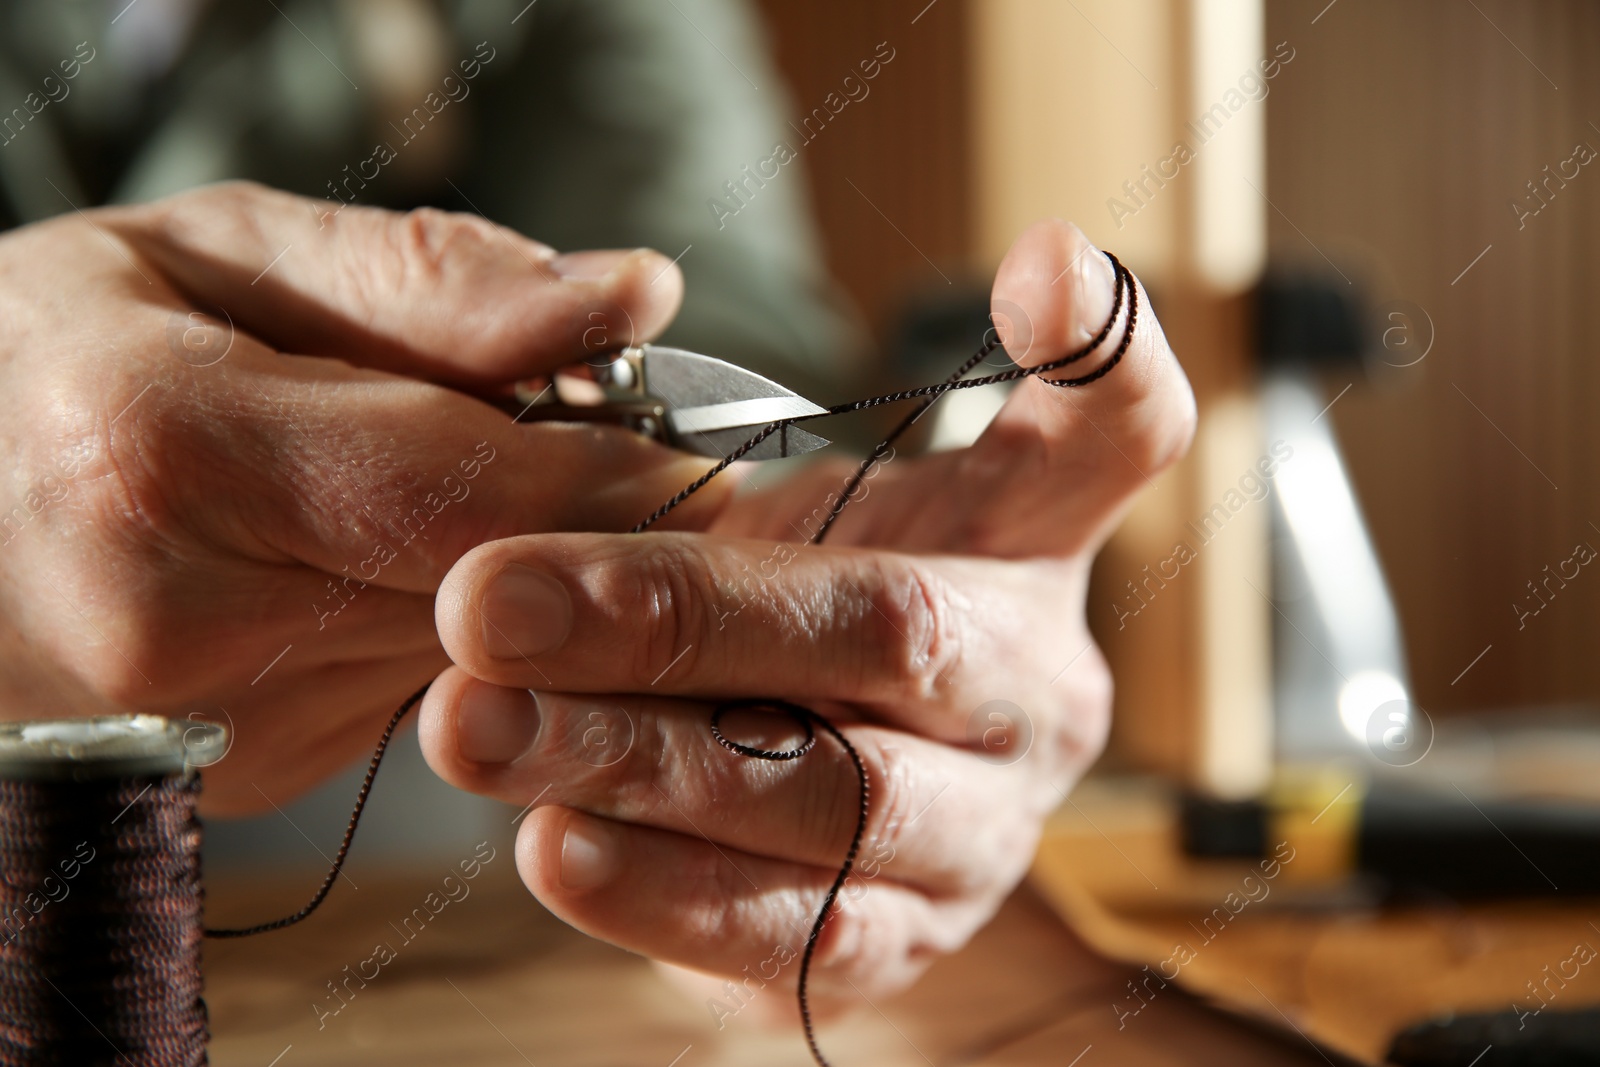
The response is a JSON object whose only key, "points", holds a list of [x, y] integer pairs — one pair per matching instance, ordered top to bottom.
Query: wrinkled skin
{"points": [[180, 495]]}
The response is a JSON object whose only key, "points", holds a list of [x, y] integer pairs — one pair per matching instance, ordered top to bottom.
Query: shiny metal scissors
{"points": [[691, 402]]}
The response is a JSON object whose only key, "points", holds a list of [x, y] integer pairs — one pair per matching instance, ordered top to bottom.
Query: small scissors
{"points": [[688, 401]]}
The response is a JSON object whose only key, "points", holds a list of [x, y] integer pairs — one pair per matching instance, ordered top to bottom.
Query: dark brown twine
{"points": [[150, 891], [101, 900]]}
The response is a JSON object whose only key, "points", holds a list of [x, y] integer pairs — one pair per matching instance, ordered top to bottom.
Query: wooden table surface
{"points": [[1348, 971], [493, 979]]}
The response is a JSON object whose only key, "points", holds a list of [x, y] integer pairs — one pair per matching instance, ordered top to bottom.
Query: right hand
{"points": [[233, 488]]}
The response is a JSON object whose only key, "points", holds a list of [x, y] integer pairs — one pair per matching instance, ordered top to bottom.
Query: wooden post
{"points": [[1085, 111]]}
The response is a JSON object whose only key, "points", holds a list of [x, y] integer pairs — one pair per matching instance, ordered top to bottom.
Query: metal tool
{"points": [[691, 402]]}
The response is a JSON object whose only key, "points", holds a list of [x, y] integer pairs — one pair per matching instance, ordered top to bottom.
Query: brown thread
{"points": [[337, 865], [107, 969]]}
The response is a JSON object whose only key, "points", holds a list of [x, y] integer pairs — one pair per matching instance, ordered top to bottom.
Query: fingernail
{"points": [[588, 266], [1096, 290], [525, 613], [496, 725], [588, 853]]}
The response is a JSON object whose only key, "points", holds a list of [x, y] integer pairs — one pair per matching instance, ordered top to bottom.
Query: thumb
{"points": [[431, 294], [1053, 294], [1099, 444], [1054, 471]]}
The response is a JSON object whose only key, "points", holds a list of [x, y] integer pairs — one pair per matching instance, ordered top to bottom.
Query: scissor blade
{"points": [[689, 380], [714, 406], [738, 413], [789, 441]]}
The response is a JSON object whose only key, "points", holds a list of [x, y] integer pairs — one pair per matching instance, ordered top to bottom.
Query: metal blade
{"points": [[689, 380], [713, 406], [748, 413], [789, 441]]}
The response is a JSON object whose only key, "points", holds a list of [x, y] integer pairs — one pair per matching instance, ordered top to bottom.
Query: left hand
{"points": [[959, 579]]}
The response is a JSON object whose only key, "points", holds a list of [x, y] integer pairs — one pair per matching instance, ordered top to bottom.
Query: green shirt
{"points": [[581, 123]]}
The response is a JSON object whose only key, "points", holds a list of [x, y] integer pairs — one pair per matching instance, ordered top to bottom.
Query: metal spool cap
{"points": [[107, 746]]}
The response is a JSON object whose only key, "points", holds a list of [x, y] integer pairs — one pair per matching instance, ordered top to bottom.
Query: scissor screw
{"points": [[618, 373]]}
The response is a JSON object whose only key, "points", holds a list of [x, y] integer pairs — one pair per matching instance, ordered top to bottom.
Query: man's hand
{"points": [[229, 492], [942, 626]]}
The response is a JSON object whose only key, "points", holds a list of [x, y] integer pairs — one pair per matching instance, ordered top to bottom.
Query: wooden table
{"points": [[1331, 962], [495, 980]]}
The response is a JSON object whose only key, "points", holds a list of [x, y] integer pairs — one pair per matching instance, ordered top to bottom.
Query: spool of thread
{"points": [[100, 893]]}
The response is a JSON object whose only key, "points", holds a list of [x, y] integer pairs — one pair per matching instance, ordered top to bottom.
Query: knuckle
{"points": [[237, 195], [193, 218], [430, 243], [1166, 438], [141, 485], [95, 522], [119, 550], [673, 596], [914, 626], [1095, 689], [1079, 731], [593, 744], [893, 781], [728, 914], [857, 942], [883, 945]]}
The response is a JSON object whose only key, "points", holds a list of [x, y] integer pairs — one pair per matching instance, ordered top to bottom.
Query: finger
{"points": [[444, 296], [1141, 411], [1104, 441], [1054, 471], [371, 478], [914, 640], [655, 762], [681, 899]]}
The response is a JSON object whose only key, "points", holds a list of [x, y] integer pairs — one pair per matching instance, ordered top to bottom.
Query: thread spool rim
{"points": [[106, 746]]}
